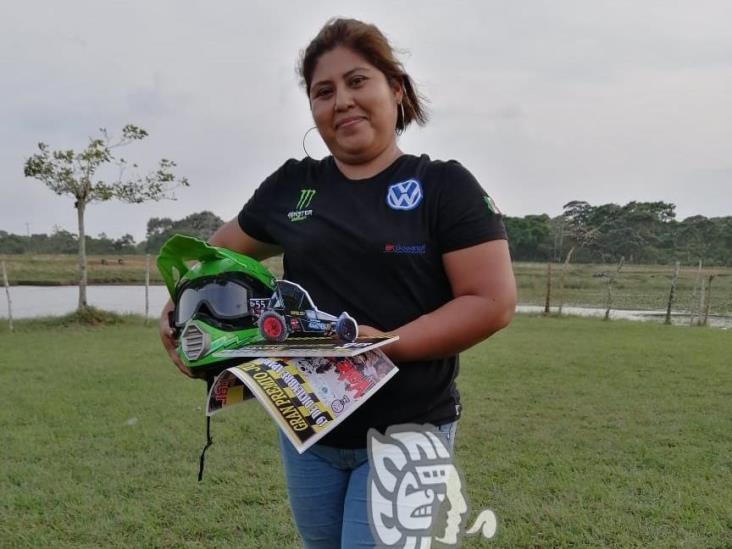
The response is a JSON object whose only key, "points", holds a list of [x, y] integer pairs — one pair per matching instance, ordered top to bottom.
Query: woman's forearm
{"points": [[454, 327]]}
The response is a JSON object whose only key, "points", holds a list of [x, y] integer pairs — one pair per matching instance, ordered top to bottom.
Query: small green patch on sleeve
{"points": [[491, 205]]}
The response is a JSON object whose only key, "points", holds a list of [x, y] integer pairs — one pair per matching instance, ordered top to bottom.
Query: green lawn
{"points": [[576, 433]]}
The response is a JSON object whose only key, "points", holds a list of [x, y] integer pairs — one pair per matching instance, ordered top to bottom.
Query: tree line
{"points": [[159, 229], [640, 232]]}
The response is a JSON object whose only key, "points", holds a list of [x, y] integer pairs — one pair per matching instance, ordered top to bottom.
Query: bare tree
{"points": [[67, 172], [561, 278], [610, 282]]}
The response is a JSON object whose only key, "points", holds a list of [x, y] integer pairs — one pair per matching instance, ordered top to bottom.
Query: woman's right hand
{"points": [[168, 340]]}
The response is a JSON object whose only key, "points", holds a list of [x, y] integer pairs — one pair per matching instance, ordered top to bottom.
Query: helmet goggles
{"points": [[223, 298]]}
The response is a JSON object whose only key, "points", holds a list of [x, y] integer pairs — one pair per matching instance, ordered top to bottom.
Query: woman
{"points": [[407, 245]]}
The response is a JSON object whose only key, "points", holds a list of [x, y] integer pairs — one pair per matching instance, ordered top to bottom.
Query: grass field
{"points": [[55, 270], [637, 286], [577, 433]]}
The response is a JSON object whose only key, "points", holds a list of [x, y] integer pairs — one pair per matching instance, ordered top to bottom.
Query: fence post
{"points": [[561, 279], [610, 281], [697, 282], [147, 287], [702, 293], [7, 294], [672, 294], [708, 300], [548, 301]]}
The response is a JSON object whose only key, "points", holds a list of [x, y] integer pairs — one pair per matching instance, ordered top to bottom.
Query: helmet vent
{"points": [[195, 343]]}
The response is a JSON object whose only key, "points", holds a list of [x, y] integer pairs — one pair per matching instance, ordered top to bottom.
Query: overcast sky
{"points": [[545, 102]]}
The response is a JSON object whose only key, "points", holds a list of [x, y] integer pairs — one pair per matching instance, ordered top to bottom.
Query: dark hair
{"points": [[369, 42]]}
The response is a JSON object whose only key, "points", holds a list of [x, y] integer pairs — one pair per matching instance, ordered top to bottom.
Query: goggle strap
{"points": [[209, 440]]}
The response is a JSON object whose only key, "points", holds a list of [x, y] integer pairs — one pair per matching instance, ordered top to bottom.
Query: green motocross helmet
{"points": [[217, 300]]}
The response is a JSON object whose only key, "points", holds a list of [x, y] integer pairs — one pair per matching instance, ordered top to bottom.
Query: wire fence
{"points": [[694, 294], [700, 295]]}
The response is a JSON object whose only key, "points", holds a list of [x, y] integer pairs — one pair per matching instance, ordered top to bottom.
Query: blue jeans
{"points": [[328, 488]]}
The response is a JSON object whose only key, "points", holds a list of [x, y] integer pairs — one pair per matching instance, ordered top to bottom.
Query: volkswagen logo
{"points": [[405, 195]]}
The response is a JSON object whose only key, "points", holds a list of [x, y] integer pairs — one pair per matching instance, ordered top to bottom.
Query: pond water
{"points": [[33, 301], [678, 319]]}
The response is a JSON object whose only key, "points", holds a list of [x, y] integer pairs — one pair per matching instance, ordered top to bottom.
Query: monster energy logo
{"points": [[306, 196], [301, 211]]}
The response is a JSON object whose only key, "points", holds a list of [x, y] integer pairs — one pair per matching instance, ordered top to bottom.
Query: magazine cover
{"points": [[306, 396]]}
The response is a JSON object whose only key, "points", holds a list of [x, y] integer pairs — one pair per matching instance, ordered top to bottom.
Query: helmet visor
{"points": [[224, 299]]}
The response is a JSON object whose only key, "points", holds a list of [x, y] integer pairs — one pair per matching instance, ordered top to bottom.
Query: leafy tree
{"points": [[67, 172], [645, 224], [201, 225], [157, 226], [640, 231], [699, 235], [529, 237], [63, 242], [11, 243], [102, 244], [125, 244]]}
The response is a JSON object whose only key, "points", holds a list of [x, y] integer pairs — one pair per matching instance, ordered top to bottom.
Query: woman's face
{"points": [[353, 105]]}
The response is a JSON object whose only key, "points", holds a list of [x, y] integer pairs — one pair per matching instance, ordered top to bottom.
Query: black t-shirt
{"points": [[373, 247]]}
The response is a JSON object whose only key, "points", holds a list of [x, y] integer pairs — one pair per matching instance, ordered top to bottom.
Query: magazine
{"points": [[307, 396]]}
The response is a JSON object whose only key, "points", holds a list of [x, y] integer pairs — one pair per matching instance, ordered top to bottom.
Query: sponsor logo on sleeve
{"points": [[405, 195], [302, 209], [411, 249]]}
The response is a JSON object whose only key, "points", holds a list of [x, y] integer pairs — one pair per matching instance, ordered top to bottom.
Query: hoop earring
{"points": [[400, 131], [303, 142]]}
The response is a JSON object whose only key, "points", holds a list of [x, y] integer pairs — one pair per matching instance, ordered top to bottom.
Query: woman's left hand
{"points": [[369, 331], [391, 349]]}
